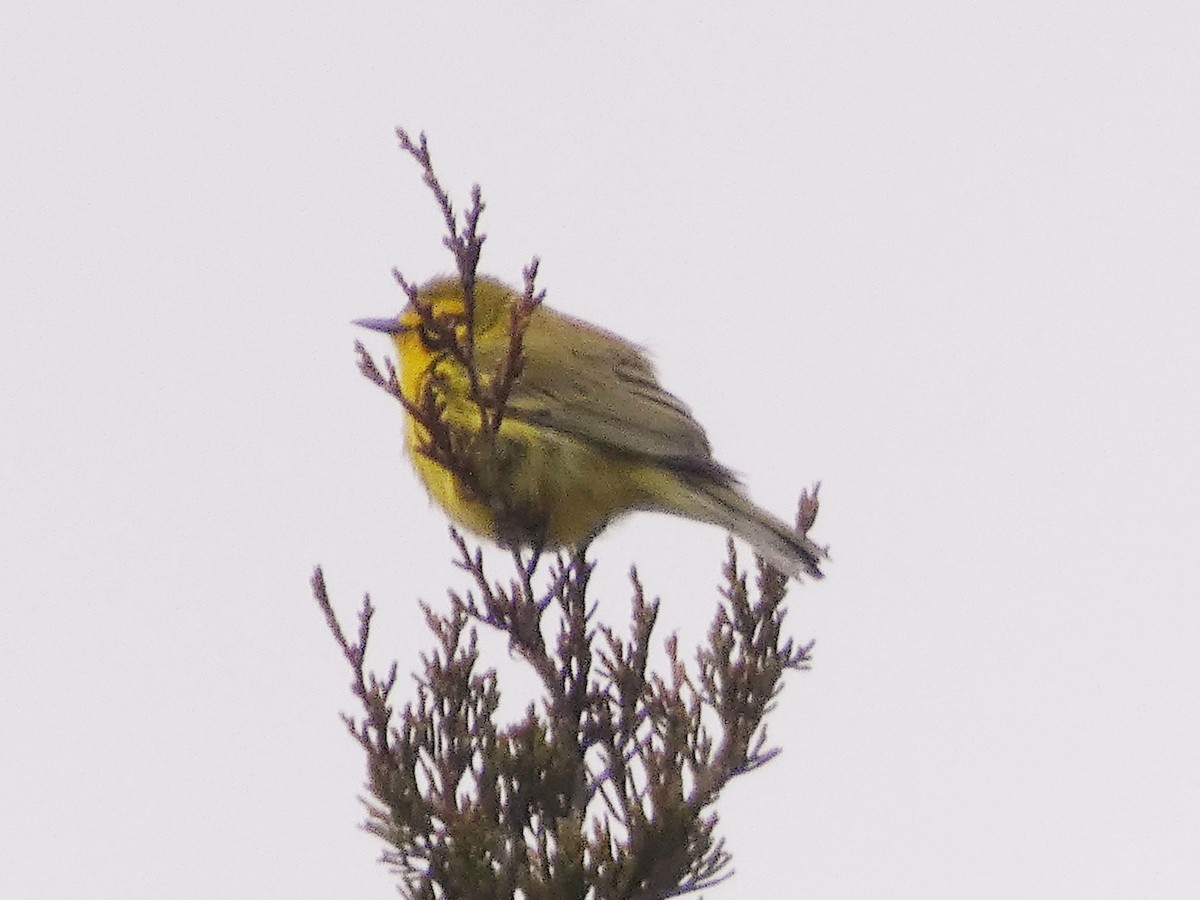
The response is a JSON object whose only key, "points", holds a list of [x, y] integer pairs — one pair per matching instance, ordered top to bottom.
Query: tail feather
{"points": [[782, 546]]}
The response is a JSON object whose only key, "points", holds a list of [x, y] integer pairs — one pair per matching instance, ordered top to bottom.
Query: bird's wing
{"points": [[581, 380]]}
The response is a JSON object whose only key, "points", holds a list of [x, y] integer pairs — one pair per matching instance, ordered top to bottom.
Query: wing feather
{"points": [[584, 381]]}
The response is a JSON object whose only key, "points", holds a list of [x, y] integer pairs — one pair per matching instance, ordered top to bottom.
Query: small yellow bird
{"points": [[586, 435]]}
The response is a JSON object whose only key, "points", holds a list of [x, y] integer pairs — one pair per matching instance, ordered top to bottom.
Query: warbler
{"points": [[586, 433]]}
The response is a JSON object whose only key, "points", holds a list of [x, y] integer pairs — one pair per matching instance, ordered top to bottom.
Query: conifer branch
{"points": [[605, 787]]}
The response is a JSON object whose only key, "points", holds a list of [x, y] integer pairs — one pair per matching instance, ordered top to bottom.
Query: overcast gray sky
{"points": [[941, 257]]}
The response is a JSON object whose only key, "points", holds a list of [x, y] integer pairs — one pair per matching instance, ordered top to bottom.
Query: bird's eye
{"points": [[440, 332], [428, 336]]}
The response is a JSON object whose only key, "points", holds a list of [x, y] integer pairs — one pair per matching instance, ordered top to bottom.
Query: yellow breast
{"points": [[527, 485], [536, 487]]}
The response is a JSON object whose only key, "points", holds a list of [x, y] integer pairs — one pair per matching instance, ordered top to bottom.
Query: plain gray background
{"points": [[940, 256]]}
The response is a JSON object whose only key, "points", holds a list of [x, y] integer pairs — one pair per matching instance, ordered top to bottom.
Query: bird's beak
{"points": [[387, 326]]}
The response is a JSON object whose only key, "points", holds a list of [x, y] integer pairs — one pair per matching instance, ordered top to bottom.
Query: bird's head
{"points": [[439, 303]]}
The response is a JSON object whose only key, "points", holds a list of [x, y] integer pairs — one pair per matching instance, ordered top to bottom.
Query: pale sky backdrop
{"points": [[940, 256]]}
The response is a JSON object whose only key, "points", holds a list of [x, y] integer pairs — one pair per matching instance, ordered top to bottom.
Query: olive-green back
{"points": [[584, 381]]}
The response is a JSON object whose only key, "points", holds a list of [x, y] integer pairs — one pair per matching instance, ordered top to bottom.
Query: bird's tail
{"points": [[782, 546]]}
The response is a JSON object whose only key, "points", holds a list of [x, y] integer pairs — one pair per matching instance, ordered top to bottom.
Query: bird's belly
{"points": [[536, 486]]}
